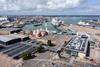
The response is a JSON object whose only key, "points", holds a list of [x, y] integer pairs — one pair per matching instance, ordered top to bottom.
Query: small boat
{"points": [[38, 24]]}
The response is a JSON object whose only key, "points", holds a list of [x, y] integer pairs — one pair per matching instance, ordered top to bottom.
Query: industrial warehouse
{"points": [[6, 31], [22, 37], [6, 40], [12, 45]]}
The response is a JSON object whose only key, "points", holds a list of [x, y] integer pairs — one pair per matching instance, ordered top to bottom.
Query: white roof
{"points": [[3, 18], [6, 38]]}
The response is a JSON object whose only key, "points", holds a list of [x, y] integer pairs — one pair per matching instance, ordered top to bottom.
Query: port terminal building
{"points": [[77, 46]]}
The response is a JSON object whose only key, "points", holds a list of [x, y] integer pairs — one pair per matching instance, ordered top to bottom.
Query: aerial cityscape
{"points": [[52, 33]]}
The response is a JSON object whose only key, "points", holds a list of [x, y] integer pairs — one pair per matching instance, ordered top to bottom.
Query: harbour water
{"points": [[67, 20], [70, 20], [75, 20], [43, 26]]}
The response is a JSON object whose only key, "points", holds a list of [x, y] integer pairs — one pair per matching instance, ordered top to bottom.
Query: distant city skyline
{"points": [[49, 7]]}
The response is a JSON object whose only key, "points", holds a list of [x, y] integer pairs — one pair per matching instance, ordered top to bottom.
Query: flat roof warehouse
{"points": [[23, 37], [6, 40], [11, 45]]}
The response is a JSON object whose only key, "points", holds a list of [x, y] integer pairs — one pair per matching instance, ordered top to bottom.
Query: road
{"points": [[37, 63]]}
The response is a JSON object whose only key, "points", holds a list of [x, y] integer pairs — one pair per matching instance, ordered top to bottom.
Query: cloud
{"points": [[56, 4], [38, 5]]}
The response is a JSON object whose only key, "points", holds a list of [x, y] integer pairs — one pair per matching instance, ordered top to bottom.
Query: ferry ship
{"points": [[56, 21], [83, 23]]}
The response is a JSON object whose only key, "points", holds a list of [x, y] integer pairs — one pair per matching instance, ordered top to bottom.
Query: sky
{"points": [[50, 7]]}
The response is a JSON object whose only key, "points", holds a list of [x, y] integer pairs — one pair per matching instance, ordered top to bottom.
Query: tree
{"points": [[93, 27], [49, 43], [39, 49], [26, 56]]}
